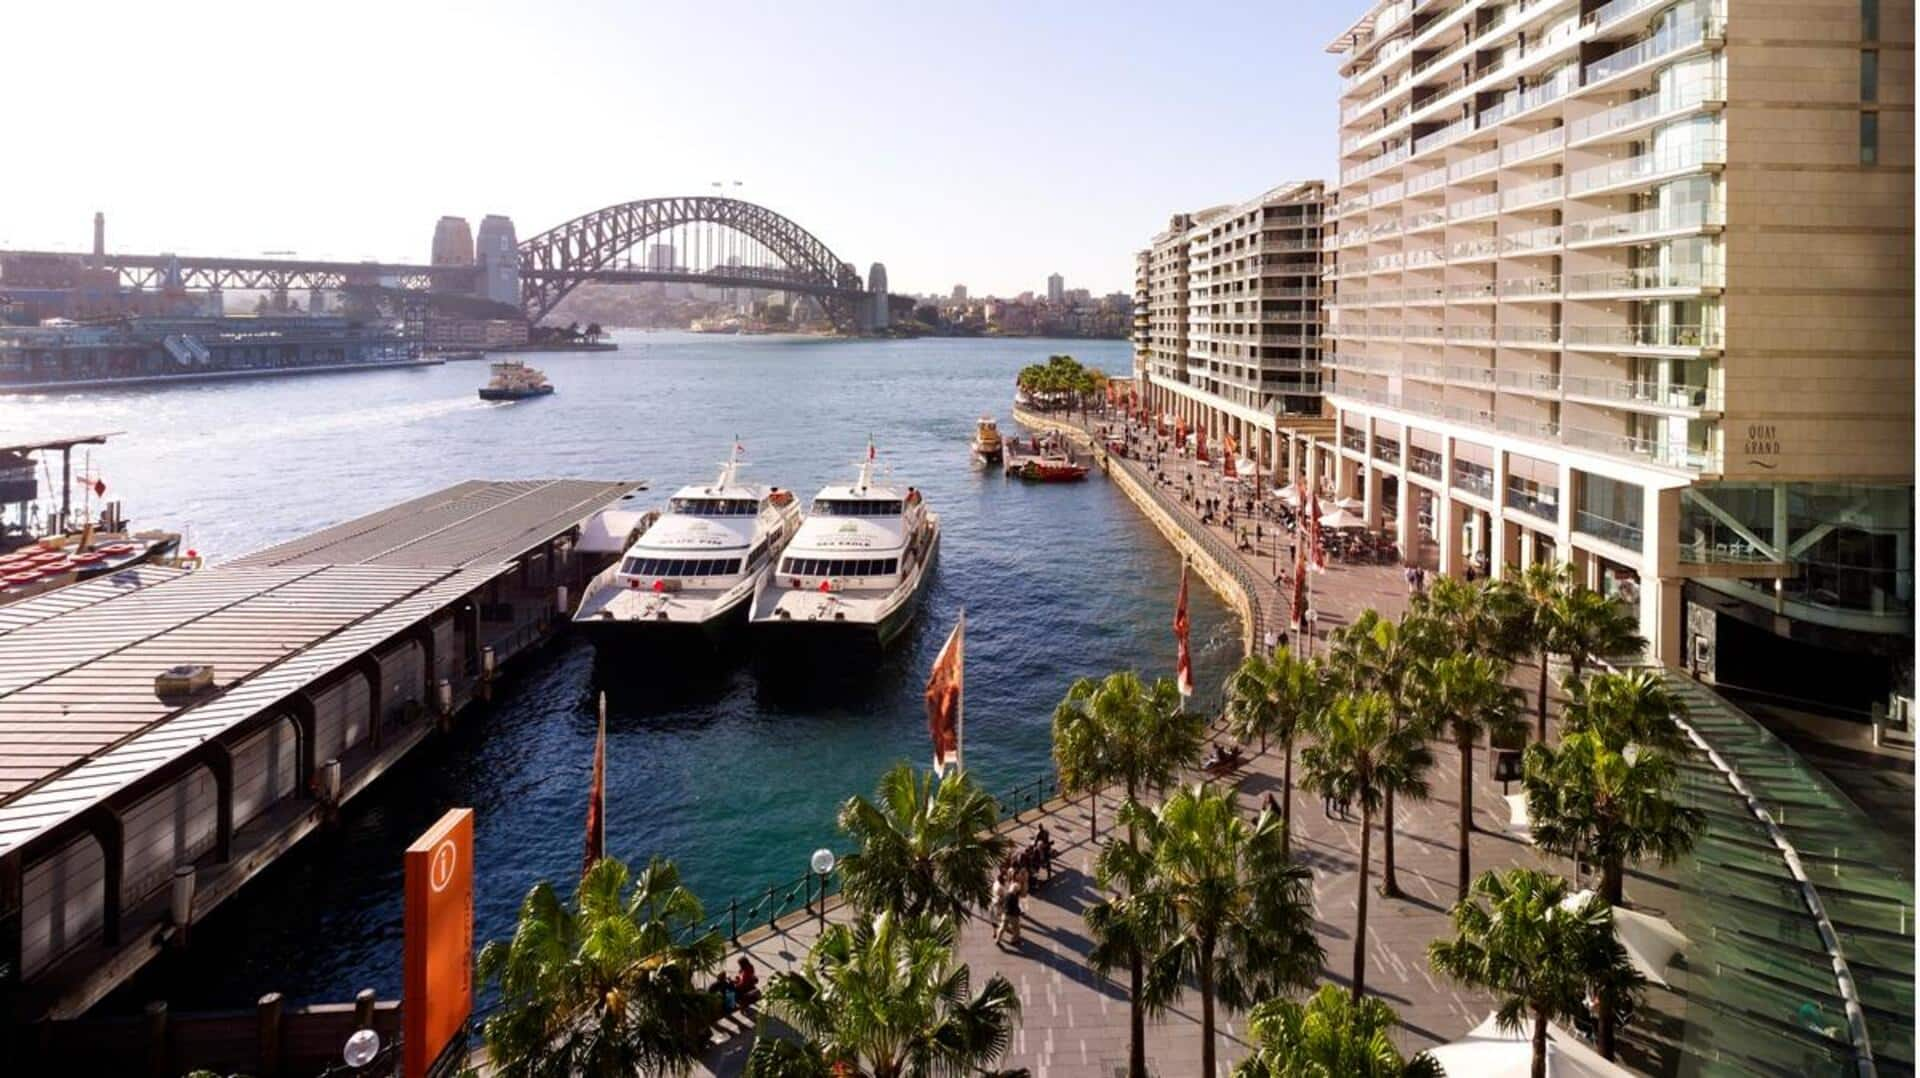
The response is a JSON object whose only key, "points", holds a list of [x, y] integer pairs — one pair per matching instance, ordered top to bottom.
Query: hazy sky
{"points": [[988, 144]]}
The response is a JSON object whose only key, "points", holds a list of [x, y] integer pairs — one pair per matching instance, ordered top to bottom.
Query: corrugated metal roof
{"points": [[465, 524], [79, 718]]}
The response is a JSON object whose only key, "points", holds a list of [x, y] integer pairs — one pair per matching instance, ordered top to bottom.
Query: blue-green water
{"points": [[733, 774]]}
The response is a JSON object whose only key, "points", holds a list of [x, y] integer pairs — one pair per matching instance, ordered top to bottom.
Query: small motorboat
{"points": [[513, 380], [987, 444]]}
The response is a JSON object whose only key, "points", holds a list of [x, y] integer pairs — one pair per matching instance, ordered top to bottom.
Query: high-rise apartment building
{"points": [[1630, 285], [1056, 288], [1231, 341]]}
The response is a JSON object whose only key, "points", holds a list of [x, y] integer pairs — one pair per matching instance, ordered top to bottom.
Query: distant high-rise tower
{"points": [[99, 239], [452, 246], [498, 254], [660, 256], [877, 286], [1056, 288], [959, 293]]}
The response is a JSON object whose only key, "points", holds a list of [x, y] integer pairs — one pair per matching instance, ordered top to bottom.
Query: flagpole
{"points": [[960, 708]]}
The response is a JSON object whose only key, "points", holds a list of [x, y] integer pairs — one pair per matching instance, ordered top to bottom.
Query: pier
{"points": [[131, 804]]}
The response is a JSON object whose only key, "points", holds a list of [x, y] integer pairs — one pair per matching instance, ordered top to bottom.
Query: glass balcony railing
{"points": [[1668, 40], [1642, 109], [1544, 142], [1682, 157], [1473, 166], [1426, 181], [1533, 192], [1473, 207], [1627, 226], [1648, 278], [1517, 287], [1470, 333], [1529, 335], [1645, 335], [1528, 381], [1630, 391], [1543, 429], [1649, 449], [1386, 450], [1424, 462], [1473, 478], [1543, 503], [1618, 532]]}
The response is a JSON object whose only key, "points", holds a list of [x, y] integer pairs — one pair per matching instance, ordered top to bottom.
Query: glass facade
{"points": [[1610, 509], [1850, 546]]}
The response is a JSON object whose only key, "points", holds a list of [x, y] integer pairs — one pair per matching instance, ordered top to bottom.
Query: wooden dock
{"points": [[127, 813]]}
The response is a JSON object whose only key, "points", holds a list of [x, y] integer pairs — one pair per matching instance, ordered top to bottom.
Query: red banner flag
{"points": [[1200, 446], [1313, 530], [1299, 587], [1184, 666], [946, 698], [597, 797]]}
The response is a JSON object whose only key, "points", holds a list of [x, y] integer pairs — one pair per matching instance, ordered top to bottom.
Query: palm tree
{"points": [[1536, 591], [1476, 614], [1588, 625], [1375, 654], [1468, 695], [1275, 697], [1634, 707], [1120, 731], [1358, 755], [1611, 806], [924, 846], [1234, 914], [1517, 937], [603, 987], [885, 997], [1332, 1036]]}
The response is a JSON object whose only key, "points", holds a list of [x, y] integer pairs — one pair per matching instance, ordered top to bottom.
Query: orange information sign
{"points": [[438, 974]]}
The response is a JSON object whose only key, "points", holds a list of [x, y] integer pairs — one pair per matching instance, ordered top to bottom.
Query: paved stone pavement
{"points": [[1076, 1024]]}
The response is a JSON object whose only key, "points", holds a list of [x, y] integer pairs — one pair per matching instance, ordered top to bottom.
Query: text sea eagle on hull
{"points": [[858, 565], [693, 567]]}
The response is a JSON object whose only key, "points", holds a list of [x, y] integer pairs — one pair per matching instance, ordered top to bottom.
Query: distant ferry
{"points": [[715, 325], [513, 380], [987, 443], [695, 566], [857, 567]]}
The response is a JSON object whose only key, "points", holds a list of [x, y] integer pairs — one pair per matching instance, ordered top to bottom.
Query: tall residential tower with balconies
{"points": [[1630, 285], [1234, 318]]}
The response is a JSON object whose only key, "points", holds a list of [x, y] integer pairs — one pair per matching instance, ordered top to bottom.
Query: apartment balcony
{"points": [[1674, 39], [1517, 102], [1643, 112], [1533, 146], [1468, 167], [1649, 168], [1424, 182], [1533, 194], [1483, 206], [1643, 225], [1647, 282], [1546, 287], [1471, 335], [1529, 336], [1651, 337], [1476, 378], [1528, 383], [1630, 393], [1544, 430], [1617, 444], [1424, 462], [1534, 505], [1619, 533]]}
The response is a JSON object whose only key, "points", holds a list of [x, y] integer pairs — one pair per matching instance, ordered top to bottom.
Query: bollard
{"points": [[560, 607], [444, 693], [330, 782], [180, 900], [733, 920], [363, 1009], [268, 1026], [157, 1038]]}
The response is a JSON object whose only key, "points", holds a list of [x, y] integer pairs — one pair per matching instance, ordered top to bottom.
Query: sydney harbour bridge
{"points": [[695, 239]]}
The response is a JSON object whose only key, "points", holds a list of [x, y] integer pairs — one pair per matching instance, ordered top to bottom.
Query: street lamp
{"points": [[822, 864]]}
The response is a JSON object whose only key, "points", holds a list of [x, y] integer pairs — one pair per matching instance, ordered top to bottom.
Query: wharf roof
{"points": [[59, 443], [80, 719]]}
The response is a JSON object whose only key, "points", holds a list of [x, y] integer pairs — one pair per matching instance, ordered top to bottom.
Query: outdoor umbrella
{"points": [[1289, 495], [1354, 505], [1342, 519], [1650, 942], [1491, 1052]]}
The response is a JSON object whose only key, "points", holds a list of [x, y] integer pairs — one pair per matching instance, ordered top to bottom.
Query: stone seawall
{"points": [[1205, 566]]}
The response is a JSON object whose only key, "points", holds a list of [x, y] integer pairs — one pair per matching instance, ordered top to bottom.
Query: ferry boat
{"points": [[514, 380], [987, 444], [694, 566], [857, 567]]}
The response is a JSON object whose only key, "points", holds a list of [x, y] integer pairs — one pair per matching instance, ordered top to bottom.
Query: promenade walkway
{"points": [[1076, 1024]]}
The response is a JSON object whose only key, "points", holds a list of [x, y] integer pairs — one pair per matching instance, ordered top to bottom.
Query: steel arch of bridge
{"points": [[556, 261]]}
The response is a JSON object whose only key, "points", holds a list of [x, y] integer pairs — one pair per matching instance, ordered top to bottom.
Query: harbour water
{"points": [[732, 772]]}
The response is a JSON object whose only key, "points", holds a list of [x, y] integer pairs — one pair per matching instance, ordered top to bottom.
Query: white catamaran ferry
{"points": [[858, 564], [695, 565]]}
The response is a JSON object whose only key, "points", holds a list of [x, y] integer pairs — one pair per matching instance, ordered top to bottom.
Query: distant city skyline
{"points": [[990, 150]]}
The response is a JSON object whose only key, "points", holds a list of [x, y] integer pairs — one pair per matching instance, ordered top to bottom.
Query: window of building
{"points": [[1870, 19], [1870, 75], [1869, 138], [1610, 509]]}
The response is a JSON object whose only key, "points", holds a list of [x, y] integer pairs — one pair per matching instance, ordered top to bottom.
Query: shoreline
{"points": [[216, 376]]}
